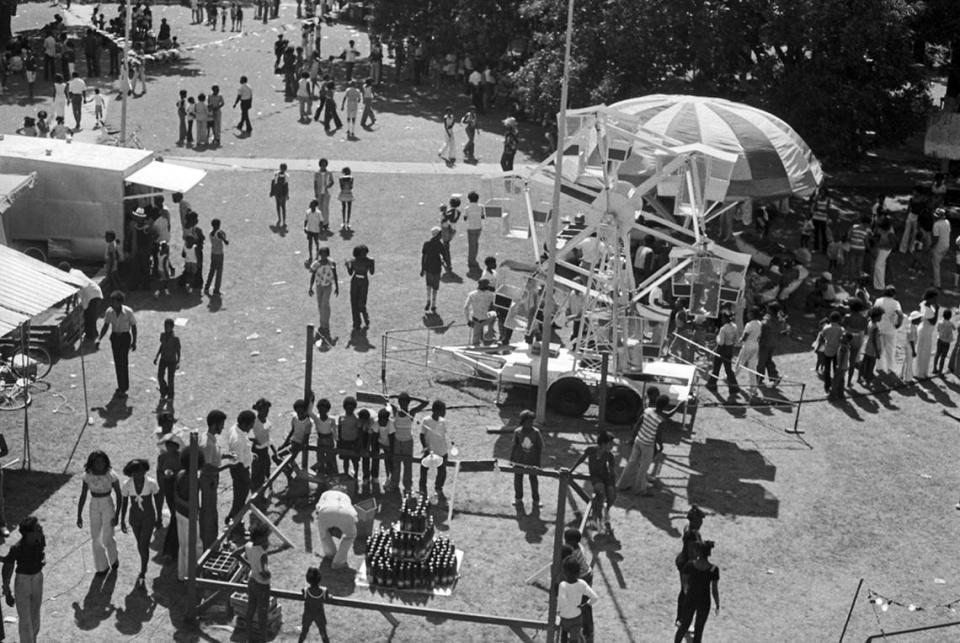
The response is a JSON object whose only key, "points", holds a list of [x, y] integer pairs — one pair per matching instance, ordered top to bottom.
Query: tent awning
{"points": [[168, 177], [11, 185], [30, 287]]}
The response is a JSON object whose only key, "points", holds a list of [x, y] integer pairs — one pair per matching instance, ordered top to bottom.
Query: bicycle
{"points": [[113, 138], [31, 365], [14, 396]]}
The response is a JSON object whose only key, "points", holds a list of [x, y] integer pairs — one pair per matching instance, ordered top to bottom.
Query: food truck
{"points": [[81, 191]]}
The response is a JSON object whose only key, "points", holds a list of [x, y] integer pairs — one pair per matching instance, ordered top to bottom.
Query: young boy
{"points": [[99, 106], [312, 223], [218, 239], [190, 264], [945, 333], [168, 355], [842, 364], [403, 423], [349, 432], [326, 439], [433, 439], [368, 447], [527, 450], [602, 468], [572, 543], [258, 585], [314, 596], [570, 597]]}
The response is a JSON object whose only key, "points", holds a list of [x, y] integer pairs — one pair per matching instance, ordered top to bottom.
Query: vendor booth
{"points": [[81, 191]]}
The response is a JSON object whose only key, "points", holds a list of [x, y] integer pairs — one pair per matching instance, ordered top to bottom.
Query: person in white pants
{"points": [[889, 323], [100, 481], [335, 510], [28, 558]]}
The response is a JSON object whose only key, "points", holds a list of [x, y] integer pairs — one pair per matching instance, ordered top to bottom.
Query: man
{"points": [[91, 51], [49, 56], [350, 56], [376, 60], [475, 80], [76, 88], [245, 100], [215, 104], [182, 137], [510, 142], [322, 183], [184, 209], [474, 215], [857, 236], [218, 239], [941, 242], [433, 258], [90, 299], [476, 309], [889, 323], [831, 335], [123, 338], [769, 338], [726, 343], [433, 439], [527, 450], [241, 455], [210, 476], [335, 510]]}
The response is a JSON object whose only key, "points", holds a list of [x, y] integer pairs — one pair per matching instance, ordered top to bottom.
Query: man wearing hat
{"points": [[510, 142], [941, 242], [433, 259], [477, 309]]}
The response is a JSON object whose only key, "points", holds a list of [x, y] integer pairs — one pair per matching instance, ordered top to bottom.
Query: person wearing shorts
{"points": [[433, 258]]}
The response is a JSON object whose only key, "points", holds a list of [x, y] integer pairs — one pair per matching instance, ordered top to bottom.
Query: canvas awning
{"points": [[168, 177], [11, 185], [30, 287]]}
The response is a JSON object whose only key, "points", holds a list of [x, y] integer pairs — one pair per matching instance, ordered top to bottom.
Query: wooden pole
{"points": [[551, 241], [24, 350], [307, 388], [192, 528], [558, 528]]}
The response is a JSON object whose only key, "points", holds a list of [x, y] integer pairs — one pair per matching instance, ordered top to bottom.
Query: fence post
{"points": [[383, 362], [307, 387], [796, 418], [564, 480]]}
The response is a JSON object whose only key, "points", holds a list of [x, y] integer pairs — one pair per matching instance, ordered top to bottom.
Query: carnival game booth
{"points": [[81, 191]]}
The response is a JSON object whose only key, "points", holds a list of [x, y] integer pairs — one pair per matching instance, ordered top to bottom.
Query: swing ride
{"points": [[620, 185]]}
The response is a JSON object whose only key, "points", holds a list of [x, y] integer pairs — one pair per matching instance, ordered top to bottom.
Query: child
{"points": [[99, 106], [202, 116], [191, 117], [29, 127], [43, 127], [59, 130], [280, 191], [346, 198], [311, 226], [806, 230], [836, 254], [360, 268], [164, 270], [190, 270], [323, 275], [862, 292], [945, 333], [818, 346], [910, 346], [871, 348], [168, 354], [842, 364], [404, 424], [301, 426], [348, 431], [386, 437], [326, 439], [368, 446], [527, 450], [602, 468], [100, 481], [141, 494], [573, 549], [258, 585], [314, 596], [570, 597]]}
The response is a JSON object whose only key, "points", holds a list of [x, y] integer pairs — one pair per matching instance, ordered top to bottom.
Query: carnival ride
{"points": [[619, 185]]}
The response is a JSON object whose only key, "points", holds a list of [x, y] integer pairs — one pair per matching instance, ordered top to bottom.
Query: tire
{"points": [[35, 253], [34, 364], [569, 396], [14, 398], [623, 405]]}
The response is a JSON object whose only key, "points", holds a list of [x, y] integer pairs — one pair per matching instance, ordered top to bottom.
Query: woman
{"points": [[305, 96], [59, 97], [449, 150], [884, 246], [360, 269], [929, 314], [855, 323], [750, 349], [168, 466], [100, 481], [141, 494], [691, 543], [27, 556], [700, 580]]}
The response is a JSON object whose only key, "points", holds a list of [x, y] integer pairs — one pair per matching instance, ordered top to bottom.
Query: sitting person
{"points": [[823, 295]]}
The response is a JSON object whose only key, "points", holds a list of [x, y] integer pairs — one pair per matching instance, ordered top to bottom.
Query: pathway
{"points": [[236, 164]]}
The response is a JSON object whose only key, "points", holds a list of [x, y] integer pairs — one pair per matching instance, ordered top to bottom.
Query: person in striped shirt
{"points": [[858, 236], [648, 428]]}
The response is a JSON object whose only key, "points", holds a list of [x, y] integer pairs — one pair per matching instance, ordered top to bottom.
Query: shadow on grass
{"points": [[114, 412], [721, 470], [26, 491], [97, 604]]}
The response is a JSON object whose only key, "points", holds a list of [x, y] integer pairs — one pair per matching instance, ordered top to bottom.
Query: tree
{"points": [[839, 71]]}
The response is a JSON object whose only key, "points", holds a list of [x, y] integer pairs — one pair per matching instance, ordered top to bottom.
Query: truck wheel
{"points": [[569, 396], [623, 405]]}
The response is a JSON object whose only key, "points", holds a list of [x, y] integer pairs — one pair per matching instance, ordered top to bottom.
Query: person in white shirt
{"points": [[350, 56], [475, 80], [77, 90], [245, 99], [473, 215], [941, 243], [91, 297], [477, 310], [891, 321], [123, 338], [433, 439], [238, 450], [260, 468], [570, 595]]}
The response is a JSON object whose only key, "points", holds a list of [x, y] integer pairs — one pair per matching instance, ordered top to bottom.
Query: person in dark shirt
{"points": [[433, 258], [527, 450], [602, 467], [691, 541], [27, 557], [700, 579]]}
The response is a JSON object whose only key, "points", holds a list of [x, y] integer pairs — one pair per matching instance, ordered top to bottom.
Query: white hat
{"points": [[510, 121], [435, 230], [827, 276]]}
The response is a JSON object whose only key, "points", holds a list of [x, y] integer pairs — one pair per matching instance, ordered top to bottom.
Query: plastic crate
{"points": [[366, 512], [222, 566]]}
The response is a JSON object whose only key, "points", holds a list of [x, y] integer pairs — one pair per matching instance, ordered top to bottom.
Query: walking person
{"points": [[77, 89], [305, 97], [369, 97], [245, 100], [350, 104], [330, 106], [470, 121], [511, 141], [448, 152], [322, 183], [280, 191], [346, 198], [473, 215], [312, 226], [218, 239], [941, 243], [433, 258], [360, 268], [324, 280], [929, 313], [119, 319], [889, 324], [946, 331], [831, 336], [769, 339], [726, 344], [750, 349], [168, 355], [526, 450], [240, 453], [101, 482], [141, 496], [691, 540], [27, 557], [701, 579]]}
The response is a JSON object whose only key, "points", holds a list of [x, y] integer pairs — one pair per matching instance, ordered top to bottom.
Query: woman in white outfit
{"points": [[59, 97], [929, 312], [750, 349]]}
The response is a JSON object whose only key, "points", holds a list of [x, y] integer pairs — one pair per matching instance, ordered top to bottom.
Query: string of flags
{"points": [[878, 600]]}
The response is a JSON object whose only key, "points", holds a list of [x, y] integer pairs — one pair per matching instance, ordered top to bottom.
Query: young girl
{"points": [[449, 150], [346, 198], [312, 223], [190, 264], [360, 269], [164, 270], [323, 275], [910, 346], [871, 348], [326, 439], [100, 481], [141, 494], [314, 596]]}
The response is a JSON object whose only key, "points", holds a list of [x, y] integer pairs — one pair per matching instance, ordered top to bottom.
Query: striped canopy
{"points": [[773, 161]]}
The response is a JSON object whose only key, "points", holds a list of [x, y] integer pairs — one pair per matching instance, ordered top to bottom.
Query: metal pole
{"points": [[124, 72], [551, 240], [24, 346], [383, 362], [604, 371], [307, 388], [796, 418], [558, 527], [192, 528], [853, 603]]}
